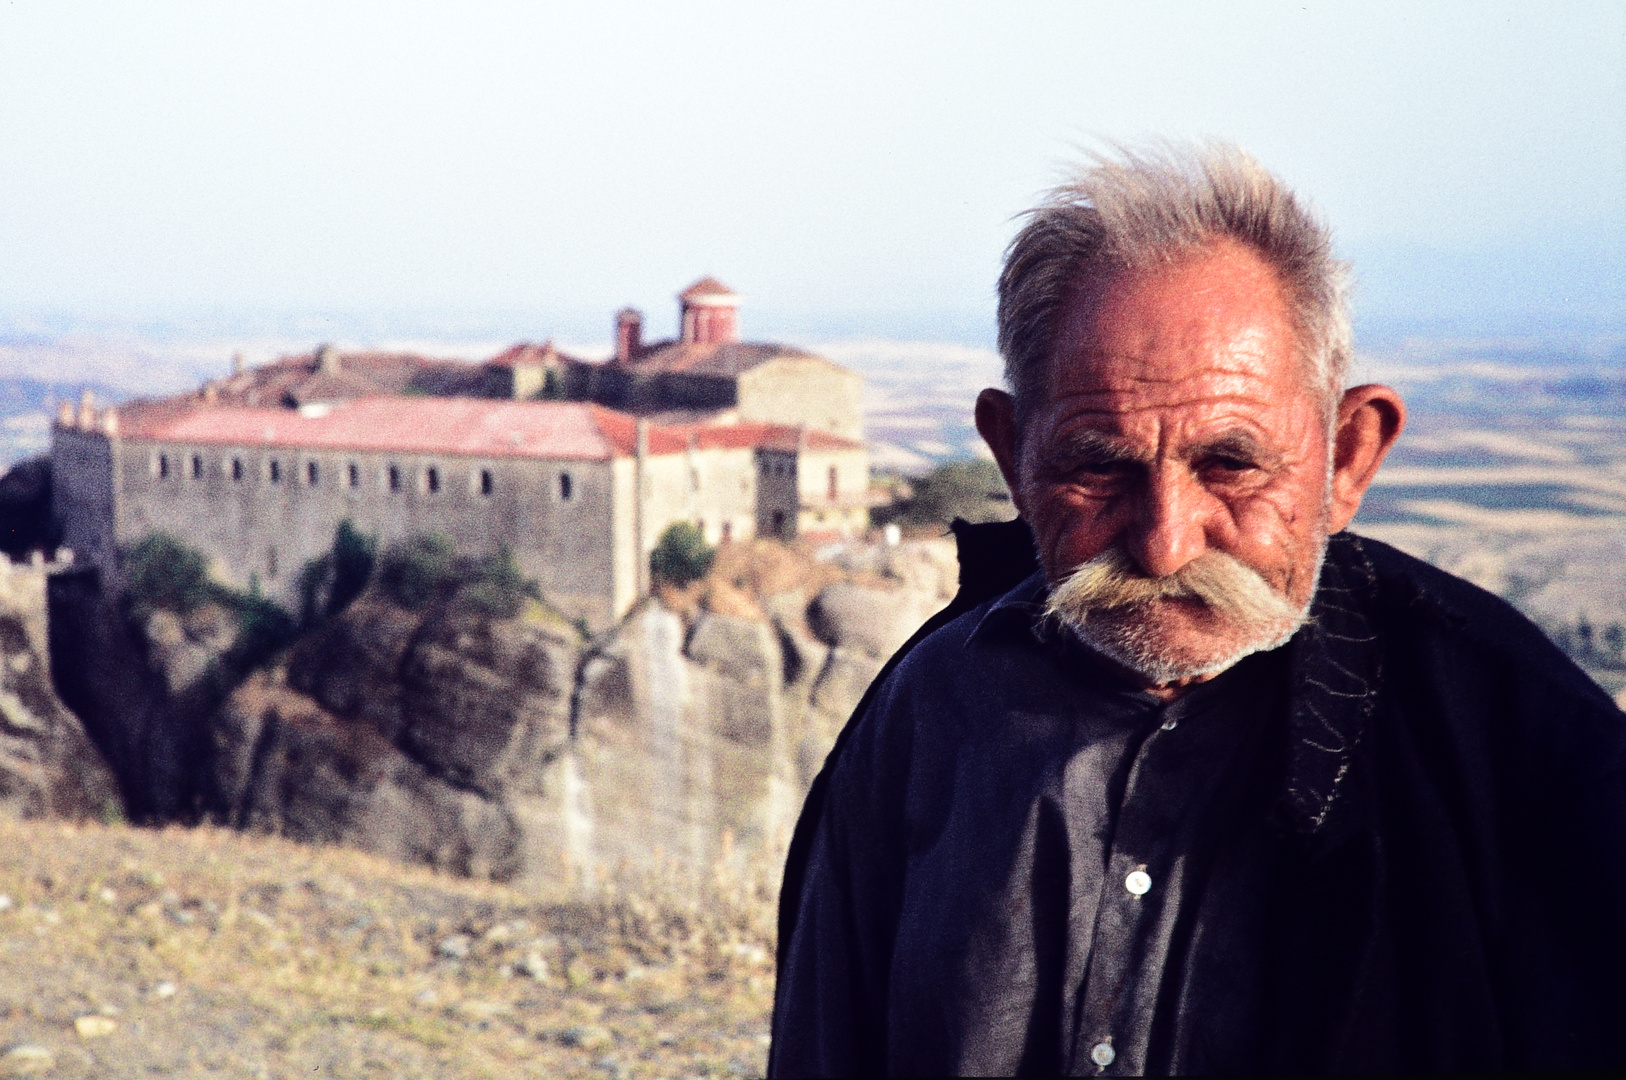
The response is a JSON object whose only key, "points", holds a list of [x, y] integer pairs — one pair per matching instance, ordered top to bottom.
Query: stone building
{"points": [[705, 375], [257, 470]]}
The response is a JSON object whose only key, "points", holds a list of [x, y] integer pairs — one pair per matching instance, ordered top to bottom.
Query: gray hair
{"points": [[1150, 207]]}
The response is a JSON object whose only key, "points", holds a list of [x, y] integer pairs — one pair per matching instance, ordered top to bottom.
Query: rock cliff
{"points": [[677, 745], [48, 766]]}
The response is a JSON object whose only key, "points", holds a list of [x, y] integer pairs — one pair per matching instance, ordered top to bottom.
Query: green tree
{"points": [[973, 490], [354, 553], [681, 555], [161, 571], [412, 572], [329, 582], [495, 586]]}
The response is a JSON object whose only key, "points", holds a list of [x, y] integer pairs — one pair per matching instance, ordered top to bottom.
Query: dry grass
{"points": [[218, 954]]}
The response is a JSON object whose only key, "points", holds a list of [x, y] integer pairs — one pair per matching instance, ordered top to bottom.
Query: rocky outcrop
{"points": [[678, 745], [48, 766]]}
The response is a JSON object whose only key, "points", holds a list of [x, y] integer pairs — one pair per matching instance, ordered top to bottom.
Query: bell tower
{"points": [[710, 313]]}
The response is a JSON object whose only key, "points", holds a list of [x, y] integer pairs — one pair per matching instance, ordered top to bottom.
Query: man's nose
{"points": [[1169, 528]]}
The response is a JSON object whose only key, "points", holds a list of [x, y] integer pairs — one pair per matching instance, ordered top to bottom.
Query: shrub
{"points": [[973, 490], [26, 522], [681, 555], [160, 571], [412, 572], [496, 588], [263, 629]]}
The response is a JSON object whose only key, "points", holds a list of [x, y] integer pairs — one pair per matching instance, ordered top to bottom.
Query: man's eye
{"points": [[1226, 464], [1098, 468]]}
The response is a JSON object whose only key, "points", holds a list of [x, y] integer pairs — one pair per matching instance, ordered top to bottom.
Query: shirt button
{"points": [[1139, 882], [1103, 1054]]}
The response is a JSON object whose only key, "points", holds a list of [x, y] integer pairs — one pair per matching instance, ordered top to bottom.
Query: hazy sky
{"points": [[850, 168]]}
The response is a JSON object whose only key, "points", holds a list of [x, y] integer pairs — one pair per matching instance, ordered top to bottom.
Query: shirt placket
{"points": [[1114, 1007]]}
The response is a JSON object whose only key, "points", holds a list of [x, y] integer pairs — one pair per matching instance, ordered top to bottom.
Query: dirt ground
{"points": [[203, 952]]}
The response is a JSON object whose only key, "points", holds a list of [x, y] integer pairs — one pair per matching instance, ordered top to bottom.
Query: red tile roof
{"points": [[706, 286], [527, 353], [726, 358], [298, 379], [467, 426], [474, 427], [782, 437]]}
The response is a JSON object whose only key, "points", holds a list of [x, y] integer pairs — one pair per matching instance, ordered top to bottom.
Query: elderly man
{"points": [[1188, 779]]}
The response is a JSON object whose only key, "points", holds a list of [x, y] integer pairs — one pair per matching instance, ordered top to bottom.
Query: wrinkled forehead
{"points": [[1214, 324]]}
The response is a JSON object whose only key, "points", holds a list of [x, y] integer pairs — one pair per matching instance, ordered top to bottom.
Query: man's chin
{"points": [[1171, 641]]}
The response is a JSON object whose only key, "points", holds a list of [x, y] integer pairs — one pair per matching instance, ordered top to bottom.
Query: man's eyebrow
{"points": [[1235, 443], [1093, 446]]}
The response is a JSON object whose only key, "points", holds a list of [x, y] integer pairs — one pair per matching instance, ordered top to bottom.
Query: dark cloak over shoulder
{"points": [[1452, 831]]}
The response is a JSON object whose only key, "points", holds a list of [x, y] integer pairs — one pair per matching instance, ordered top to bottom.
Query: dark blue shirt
{"points": [[1075, 885]]}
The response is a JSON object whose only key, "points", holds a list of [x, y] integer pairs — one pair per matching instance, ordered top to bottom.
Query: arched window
{"points": [[163, 466], [197, 466], [237, 469], [274, 471], [312, 473], [354, 475], [394, 475], [431, 479], [487, 482], [566, 487]]}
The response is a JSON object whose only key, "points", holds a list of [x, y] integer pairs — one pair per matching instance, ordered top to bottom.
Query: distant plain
{"points": [[1512, 472]]}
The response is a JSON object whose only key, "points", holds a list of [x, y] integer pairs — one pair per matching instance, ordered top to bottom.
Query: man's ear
{"points": [[1370, 419], [996, 423]]}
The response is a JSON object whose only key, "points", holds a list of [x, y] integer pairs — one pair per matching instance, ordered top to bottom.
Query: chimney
{"points": [[710, 313], [629, 334], [327, 359], [237, 363], [87, 409], [64, 414]]}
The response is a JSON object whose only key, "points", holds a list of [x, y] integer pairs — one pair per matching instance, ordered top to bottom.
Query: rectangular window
{"points": [[163, 466], [197, 466], [237, 469], [274, 471], [311, 473], [355, 475], [394, 476], [431, 479], [487, 483], [566, 487], [834, 487]]}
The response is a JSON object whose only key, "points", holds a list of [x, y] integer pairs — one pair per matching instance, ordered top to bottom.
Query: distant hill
{"points": [[26, 407]]}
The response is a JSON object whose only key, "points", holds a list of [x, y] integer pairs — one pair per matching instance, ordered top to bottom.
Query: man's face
{"points": [[1179, 422]]}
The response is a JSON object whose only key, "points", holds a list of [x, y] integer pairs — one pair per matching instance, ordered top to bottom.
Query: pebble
{"points": [[108, 896], [5, 902], [455, 947], [534, 966], [165, 989], [95, 1027], [586, 1038], [28, 1058]]}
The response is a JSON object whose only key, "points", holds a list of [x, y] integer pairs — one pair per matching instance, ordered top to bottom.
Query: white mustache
{"points": [[1224, 583]]}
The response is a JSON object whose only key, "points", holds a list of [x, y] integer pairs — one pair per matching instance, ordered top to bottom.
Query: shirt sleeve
{"points": [[832, 1015]]}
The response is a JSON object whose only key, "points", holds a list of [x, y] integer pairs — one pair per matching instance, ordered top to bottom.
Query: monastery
{"points": [[577, 466]]}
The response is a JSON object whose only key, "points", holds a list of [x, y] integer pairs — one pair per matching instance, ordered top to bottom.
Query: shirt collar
{"points": [[1020, 609]]}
